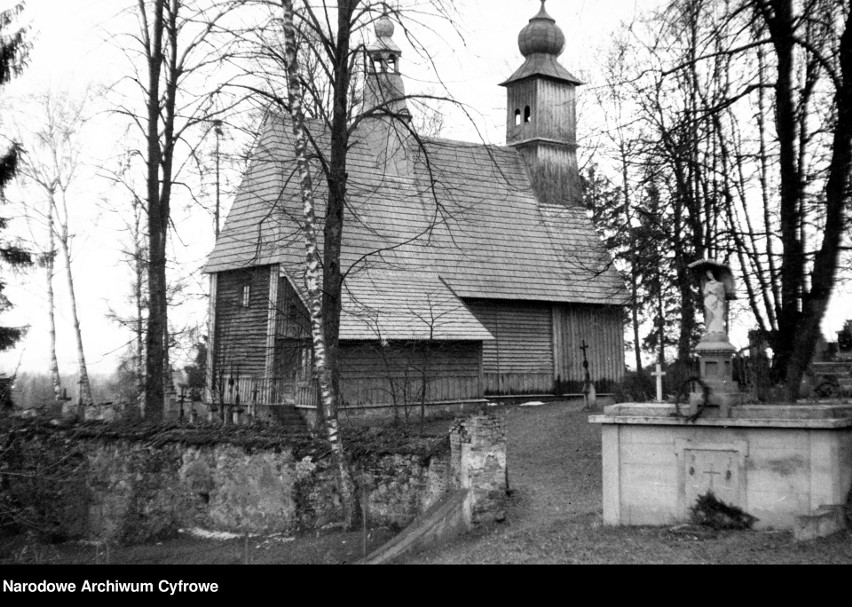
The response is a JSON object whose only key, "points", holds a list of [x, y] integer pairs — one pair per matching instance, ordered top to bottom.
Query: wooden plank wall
{"points": [[521, 95], [556, 111], [293, 320], [602, 329], [241, 331], [520, 358], [371, 374]]}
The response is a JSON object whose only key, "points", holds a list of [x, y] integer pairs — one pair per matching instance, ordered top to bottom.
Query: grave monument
{"points": [[715, 351], [788, 465]]}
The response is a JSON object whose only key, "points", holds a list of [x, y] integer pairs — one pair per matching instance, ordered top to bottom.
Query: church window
{"points": [[392, 64], [377, 65], [527, 114], [517, 117], [246, 295]]}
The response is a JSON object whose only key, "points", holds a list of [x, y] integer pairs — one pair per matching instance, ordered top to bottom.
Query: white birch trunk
{"points": [[314, 272], [51, 308], [85, 387]]}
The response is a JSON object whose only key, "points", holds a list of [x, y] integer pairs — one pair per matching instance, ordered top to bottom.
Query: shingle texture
{"points": [[427, 225]]}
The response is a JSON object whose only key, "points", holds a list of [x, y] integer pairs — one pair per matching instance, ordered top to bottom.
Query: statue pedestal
{"points": [[715, 355]]}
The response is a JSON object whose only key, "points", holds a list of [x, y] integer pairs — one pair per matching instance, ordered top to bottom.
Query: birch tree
{"points": [[52, 164], [314, 272]]}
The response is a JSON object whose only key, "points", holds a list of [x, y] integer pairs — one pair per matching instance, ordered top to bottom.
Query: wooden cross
{"points": [[585, 347], [659, 375]]}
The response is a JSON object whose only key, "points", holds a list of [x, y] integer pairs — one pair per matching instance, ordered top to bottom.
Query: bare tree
{"points": [[178, 47], [746, 104], [52, 164], [135, 254], [314, 272]]}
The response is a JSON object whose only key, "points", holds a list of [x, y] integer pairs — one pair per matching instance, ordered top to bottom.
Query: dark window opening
{"points": [[527, 114], [517, 117]]}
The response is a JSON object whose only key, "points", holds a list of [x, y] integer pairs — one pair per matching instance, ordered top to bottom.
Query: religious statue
{"points": [[717, 287], [714, 304]]}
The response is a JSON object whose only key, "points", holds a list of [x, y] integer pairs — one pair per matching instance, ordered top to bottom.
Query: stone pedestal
{"points": [[715, 354], [478, 463]]}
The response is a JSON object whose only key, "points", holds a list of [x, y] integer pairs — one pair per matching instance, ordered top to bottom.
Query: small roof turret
{"points": [[384, 90]]}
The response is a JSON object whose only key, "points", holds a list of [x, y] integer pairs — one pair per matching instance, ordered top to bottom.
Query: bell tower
{"points": [[384, 91], [541, 118], [386, 131]]}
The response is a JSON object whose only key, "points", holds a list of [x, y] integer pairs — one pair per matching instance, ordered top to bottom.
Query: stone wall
{"points": [[106, 485], [101, 487]]}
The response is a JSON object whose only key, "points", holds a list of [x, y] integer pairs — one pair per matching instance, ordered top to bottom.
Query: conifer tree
{"points": [[13, 53]]}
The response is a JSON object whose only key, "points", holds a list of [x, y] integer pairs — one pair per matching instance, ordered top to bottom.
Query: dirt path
{"points": [[554, 479], [554, 516]]}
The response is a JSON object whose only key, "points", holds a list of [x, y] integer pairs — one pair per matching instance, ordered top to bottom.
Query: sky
{"points": [[74, 46]]}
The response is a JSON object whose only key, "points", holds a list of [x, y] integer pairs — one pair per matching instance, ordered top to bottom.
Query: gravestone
{"points": [[788, 466]]}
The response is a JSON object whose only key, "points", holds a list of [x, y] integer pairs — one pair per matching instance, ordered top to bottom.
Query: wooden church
{"points": [[472, 270]]}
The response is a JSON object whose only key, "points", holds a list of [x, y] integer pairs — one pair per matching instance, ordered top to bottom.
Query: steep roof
{"points": [[439, 221]]}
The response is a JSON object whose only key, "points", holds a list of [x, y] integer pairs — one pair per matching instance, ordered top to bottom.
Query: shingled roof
{"points": [[445, 220]]}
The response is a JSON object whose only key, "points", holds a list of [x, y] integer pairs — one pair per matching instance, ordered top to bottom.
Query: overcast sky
{"points": [[70, 50]]}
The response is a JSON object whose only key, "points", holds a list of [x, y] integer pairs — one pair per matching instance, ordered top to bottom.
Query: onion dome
{"points": [[383, 27], [541, 35], [541, 42]]}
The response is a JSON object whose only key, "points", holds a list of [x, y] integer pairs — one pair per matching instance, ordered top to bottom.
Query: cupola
{"points": [[384, 90], [541, 111]]}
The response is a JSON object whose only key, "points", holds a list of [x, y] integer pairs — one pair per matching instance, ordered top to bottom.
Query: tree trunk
{"points": [[781, 27], [827, 257], [634, 279], [138, 295], [324, 299], [51, 308], [154, 347], [85, 387]]}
